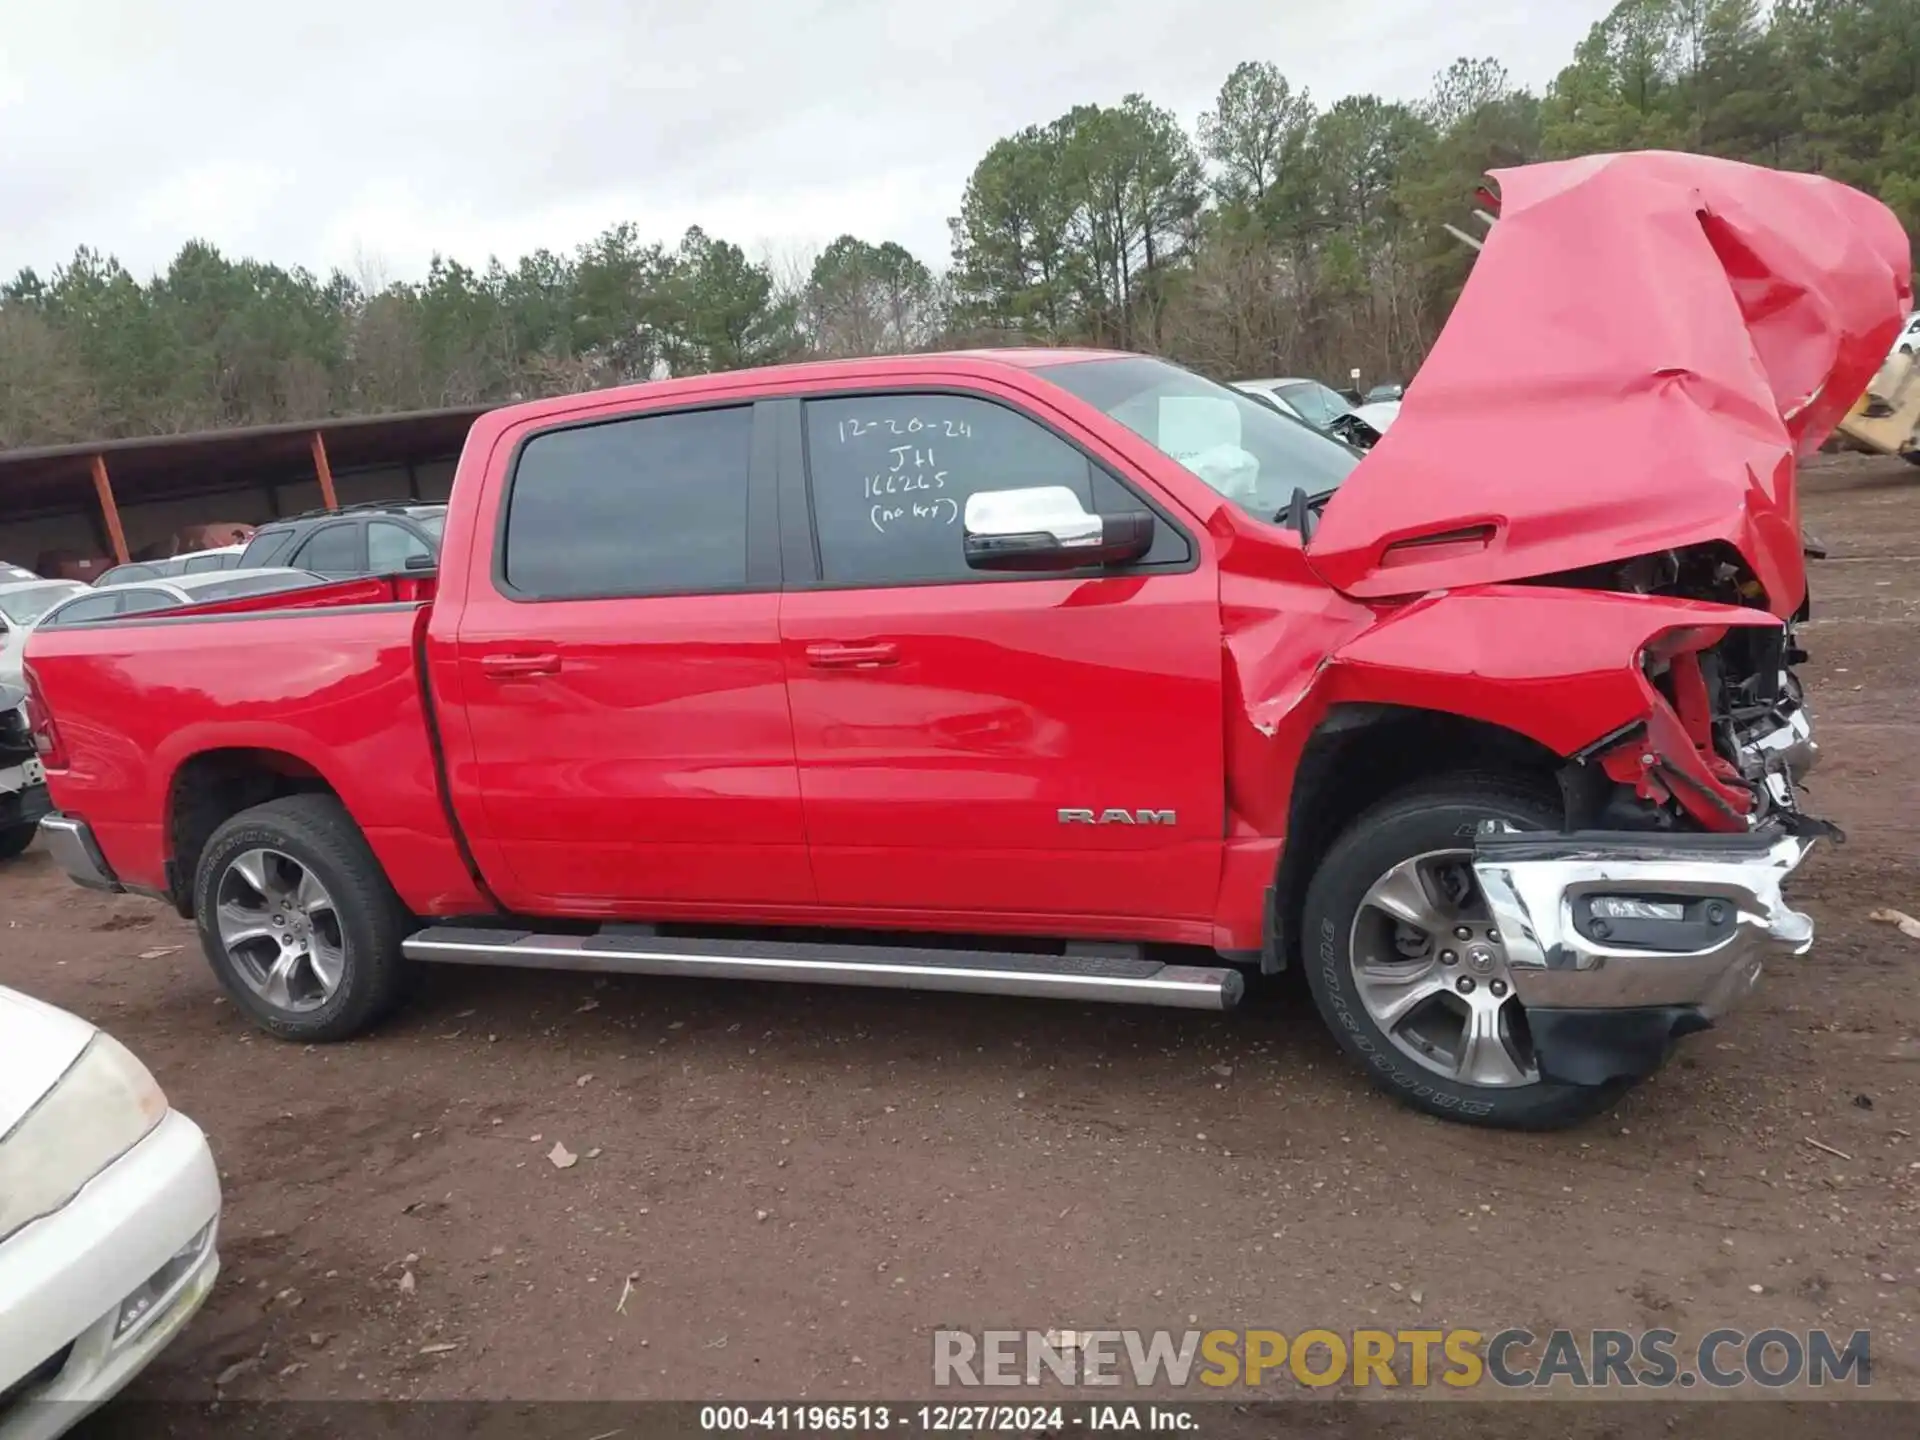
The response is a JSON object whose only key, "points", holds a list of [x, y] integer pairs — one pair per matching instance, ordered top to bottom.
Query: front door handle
{"points": [[870, 656], [518, 667]]}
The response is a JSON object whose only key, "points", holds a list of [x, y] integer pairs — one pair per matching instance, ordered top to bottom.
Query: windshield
{"points": [[1319, 404], [1249, 453], [434, 522], [23, 607]]}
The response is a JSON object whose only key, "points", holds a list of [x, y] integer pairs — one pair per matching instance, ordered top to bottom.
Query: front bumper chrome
{"points": [[1615, 921]]}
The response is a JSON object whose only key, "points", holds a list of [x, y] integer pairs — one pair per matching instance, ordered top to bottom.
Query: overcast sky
{"points": [[328, 132]]}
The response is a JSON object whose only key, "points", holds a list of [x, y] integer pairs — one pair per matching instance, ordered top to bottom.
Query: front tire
{"points": [[14, 842], [298, 920], [1408, 971]]}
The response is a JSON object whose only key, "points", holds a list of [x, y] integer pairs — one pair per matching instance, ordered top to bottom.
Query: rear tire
{"points": [[14, 842], [299, 921], [1483, 1074]]}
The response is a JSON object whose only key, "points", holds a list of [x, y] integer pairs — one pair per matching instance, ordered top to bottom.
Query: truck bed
{"points": [[328, 676]]}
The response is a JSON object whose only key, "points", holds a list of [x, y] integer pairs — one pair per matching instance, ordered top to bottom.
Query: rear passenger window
{"points": [[891, 475], [656, 504], [331, 550], [144, 602], [79, 612]]}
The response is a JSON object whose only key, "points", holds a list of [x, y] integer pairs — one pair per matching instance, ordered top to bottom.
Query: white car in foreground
{"points": [[109, 1208]]}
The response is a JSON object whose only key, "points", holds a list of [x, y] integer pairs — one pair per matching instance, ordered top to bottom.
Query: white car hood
{"points": [[1380, 414], [40, 1044]]}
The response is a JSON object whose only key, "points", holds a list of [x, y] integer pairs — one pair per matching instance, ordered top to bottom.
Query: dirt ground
{"points": [[802, 1184]]}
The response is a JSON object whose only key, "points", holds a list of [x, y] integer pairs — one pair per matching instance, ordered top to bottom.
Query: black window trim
{"points": [[763, 534], [800, 534]]}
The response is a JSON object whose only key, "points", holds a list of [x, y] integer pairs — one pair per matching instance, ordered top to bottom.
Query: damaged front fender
{"points": [[1567, 669], [1562, 673]]}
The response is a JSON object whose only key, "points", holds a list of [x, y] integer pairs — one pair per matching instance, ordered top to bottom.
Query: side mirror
{"points": [[1047, 528], [417, 561]]}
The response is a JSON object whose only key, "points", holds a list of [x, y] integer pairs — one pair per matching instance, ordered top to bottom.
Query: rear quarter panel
{"points": [[333, 689]]}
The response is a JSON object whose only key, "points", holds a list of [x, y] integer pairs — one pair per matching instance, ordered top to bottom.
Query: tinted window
{"points": [[1248, 452], [891, 475], [655, 504], [434, 522], [389, 546], [265, 548], [331, 550], [201, 564], [127, 574], [142, 602], [94, 607]]}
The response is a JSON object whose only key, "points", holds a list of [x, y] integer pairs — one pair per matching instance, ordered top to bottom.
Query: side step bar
{"points": [[985, 972]]}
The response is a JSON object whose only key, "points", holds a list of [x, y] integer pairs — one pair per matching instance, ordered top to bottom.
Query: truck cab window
{"points": [[1245, 451], [891, 475], [651, 505]]}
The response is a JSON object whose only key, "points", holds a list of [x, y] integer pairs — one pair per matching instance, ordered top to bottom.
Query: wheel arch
{"points": [[1362, 752], [211, 787]]}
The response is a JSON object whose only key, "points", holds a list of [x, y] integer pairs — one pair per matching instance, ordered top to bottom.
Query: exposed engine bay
{"points": [[1735, 693]]}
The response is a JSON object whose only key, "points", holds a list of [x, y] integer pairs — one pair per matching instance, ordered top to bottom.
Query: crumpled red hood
{"points": [[1646, 345]]}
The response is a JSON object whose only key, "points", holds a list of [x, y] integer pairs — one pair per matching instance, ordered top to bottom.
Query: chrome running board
{"points": [[1122, 980]]}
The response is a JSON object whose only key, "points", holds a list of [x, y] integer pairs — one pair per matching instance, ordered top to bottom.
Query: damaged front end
{"points": [[1742, 705], [1728, 740], [1622, 938], [1618, 944]]}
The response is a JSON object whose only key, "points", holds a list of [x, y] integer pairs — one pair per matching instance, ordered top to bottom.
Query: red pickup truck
{"points": [[1071, 673]]}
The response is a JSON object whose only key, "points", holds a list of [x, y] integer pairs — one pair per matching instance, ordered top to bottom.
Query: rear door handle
{"points": [[871, 656], [518, 667]]}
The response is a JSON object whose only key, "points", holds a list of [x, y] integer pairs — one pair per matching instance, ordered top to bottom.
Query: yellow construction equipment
{"points": [[1886, 420]]}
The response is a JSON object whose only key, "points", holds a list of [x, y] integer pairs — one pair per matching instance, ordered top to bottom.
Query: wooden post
{"points": [[324, 472], [109, 510]]}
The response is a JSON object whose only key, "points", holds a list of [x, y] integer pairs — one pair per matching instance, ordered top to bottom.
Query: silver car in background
{"points": [[146, 597]]}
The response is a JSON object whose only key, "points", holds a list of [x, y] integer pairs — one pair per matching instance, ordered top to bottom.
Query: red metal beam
{"points": [[324, 472], [104, 490]]}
